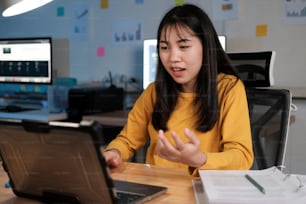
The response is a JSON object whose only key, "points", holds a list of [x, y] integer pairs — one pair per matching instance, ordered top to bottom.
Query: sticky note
{"points": [[139, 1], [179, 2], [104, 4], [226, 7], [60, 11], [261, 30], [100, 51]]}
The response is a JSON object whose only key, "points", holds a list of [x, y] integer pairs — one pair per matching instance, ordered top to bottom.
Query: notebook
{"points": [[61, 162], [266, 186]]}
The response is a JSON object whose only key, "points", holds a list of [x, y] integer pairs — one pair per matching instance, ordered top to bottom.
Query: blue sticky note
{"points": [[139, 1], [60, 11]]}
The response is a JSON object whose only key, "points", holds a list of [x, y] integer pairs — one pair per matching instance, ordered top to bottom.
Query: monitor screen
{"points": [[222, 39], [150, 59], [26, 60]]}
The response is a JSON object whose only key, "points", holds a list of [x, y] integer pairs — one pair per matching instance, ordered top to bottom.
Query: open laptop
{"points": [[60, 162]]}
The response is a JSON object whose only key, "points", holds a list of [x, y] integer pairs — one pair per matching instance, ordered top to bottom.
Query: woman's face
{"points": [[181, 51]]}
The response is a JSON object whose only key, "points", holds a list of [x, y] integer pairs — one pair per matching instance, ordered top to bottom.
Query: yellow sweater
{"points": [[228, 144]]}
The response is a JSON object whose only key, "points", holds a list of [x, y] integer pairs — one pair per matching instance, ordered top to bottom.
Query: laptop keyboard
{"points": [[128, 197]]}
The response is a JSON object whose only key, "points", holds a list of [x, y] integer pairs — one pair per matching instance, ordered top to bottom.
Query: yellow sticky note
{"points": [[179, 2], [104, 4], [227, 7], [261, 30]]}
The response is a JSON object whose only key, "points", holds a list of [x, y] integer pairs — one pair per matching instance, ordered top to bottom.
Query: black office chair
{"points": [[255, 68], [252, 74], [269, 115]]}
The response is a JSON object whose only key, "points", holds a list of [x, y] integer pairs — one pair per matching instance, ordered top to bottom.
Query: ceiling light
{"points": [[16, 7]]}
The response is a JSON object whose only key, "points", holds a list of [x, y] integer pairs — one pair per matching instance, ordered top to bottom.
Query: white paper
{"points": [[227, 186]]}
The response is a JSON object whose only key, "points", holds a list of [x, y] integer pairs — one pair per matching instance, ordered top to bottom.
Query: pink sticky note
{"points": [[100, 51]]}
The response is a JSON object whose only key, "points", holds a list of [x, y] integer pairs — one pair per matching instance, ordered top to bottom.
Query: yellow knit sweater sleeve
{"points": [[134, 134]]}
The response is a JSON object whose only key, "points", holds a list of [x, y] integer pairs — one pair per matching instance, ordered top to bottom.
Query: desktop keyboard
{"points": [[31, 96], [14, 109]]}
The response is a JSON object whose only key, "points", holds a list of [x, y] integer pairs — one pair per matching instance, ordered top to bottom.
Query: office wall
{"points": [[286, 39], [84, 62], [85, 65]]}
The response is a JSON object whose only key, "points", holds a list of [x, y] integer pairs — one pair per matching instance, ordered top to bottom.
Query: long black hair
{"points": [[214, 61]]}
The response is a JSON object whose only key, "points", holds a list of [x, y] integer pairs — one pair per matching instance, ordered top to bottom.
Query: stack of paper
{"points": [[260, 186]]}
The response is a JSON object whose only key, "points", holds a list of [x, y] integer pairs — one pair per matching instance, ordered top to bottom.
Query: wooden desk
{"points": [[178, 181]]}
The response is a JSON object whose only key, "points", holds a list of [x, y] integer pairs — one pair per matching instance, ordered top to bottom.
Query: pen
{"points": [[255, 183]]}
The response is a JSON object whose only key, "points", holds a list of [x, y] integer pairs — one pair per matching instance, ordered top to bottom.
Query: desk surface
{"points": [[178, 181]]}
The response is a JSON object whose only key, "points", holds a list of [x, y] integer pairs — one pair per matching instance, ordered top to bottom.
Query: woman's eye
{"points": [[184, 46], [163, 47]]}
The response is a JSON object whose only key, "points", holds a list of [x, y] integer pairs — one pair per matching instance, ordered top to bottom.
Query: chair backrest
{"points": [[255, 68], [269, 115]]}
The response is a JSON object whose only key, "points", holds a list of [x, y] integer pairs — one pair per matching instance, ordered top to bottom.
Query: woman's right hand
{"points": [[112, 158]]}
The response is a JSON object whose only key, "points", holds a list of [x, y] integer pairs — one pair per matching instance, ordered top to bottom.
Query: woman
{"points": [[195, 114]]}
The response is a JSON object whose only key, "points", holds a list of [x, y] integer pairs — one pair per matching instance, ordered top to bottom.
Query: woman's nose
{"points": [[174, 55]]}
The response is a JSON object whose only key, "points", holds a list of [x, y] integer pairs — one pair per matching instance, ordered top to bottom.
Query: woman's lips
{"points": [[177, 72]]}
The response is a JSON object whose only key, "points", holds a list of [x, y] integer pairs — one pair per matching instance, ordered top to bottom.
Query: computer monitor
{"points": [[222, 39], [150, 59], [26, 60], [255, 68]]}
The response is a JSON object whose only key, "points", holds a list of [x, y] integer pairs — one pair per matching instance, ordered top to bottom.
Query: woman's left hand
{"points": [[187, 153]]}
